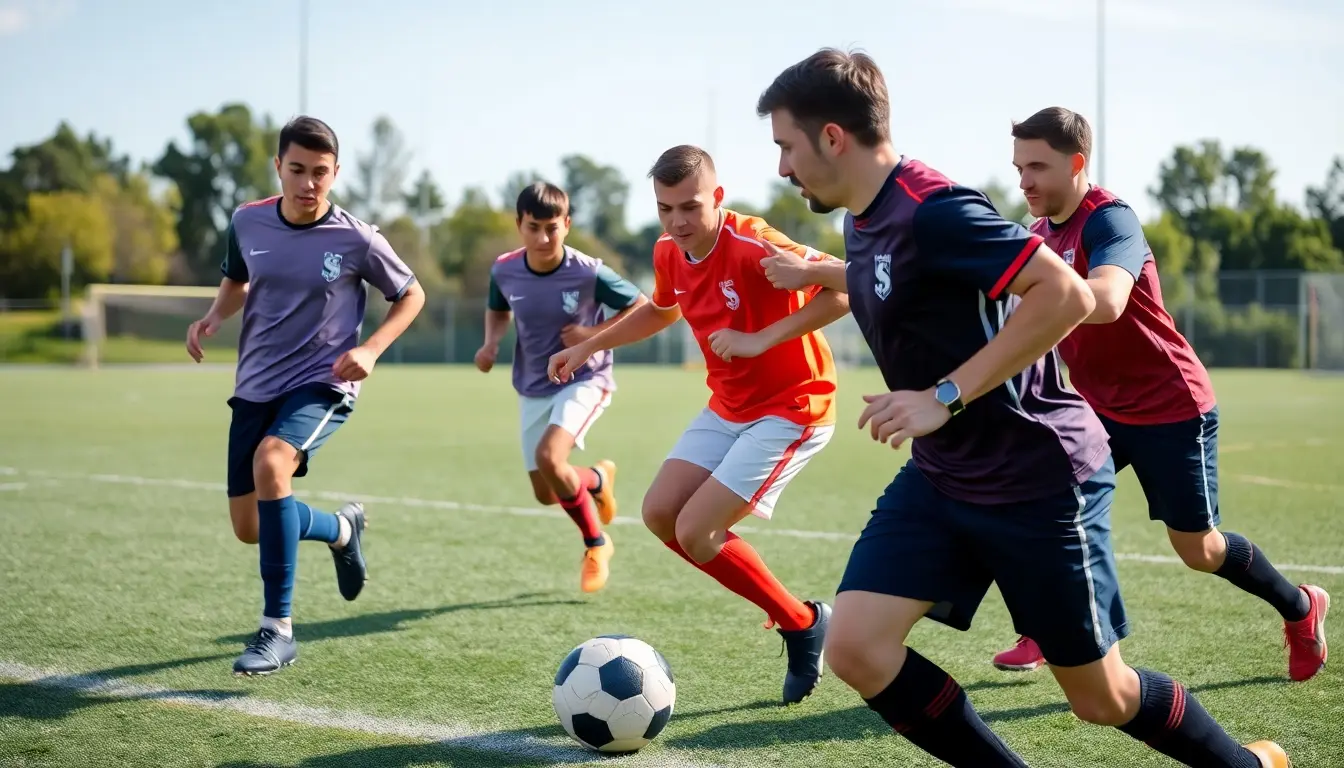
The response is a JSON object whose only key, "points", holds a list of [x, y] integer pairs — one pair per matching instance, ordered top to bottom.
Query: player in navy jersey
{"points": [[296, 266], [556, 296], [1144, 380], [1010, 479]]}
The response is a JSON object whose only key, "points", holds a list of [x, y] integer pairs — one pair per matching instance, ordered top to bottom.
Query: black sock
{"points": [[597, 484], [1247, 567], [929, 709], [1172, 722]]}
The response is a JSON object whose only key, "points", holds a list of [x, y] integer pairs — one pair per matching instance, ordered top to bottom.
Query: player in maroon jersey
{"points": [[1145, 382]]}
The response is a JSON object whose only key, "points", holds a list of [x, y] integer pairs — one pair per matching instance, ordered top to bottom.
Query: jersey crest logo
{"points": [[1067, 256], [331, 266], [882, 271], [730, 294], [569, 300]]}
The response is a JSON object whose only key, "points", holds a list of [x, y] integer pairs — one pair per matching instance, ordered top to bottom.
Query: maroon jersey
{"points": [[1138, 369]]}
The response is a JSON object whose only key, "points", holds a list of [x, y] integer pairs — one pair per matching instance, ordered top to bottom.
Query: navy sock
{"points": [[315, 525], [278, 542], [1248, 568], [930, 709], [1172, 722]]}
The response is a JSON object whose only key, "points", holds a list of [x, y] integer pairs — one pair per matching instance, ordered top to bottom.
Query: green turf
{"points": [[468, 613]]}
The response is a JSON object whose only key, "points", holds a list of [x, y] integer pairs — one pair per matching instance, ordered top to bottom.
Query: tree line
{"points": [[162, 221]]}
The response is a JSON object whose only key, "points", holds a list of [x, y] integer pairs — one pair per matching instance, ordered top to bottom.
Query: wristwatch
{"points": [[948, 393]]}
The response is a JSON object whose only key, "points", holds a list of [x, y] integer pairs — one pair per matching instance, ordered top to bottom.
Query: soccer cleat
{"points": [[606, 497], [595, 569], [351, 571], [1306, 638], [805, 651], [265, 653], [1022, 657], [1269, 754]]}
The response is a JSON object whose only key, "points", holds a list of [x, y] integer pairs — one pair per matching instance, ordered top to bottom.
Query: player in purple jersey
{"points": [[296, 265], [556, 297], [1010, 478]]}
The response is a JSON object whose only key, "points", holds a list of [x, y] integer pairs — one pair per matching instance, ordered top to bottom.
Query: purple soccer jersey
{"points": [[929, 264], [573, 293], [306, 295]]}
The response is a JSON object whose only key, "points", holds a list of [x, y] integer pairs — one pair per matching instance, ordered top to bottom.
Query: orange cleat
{"points": [[606, 498], [595, 569], [1306, 638], [1022, 657], [1269, 754]]}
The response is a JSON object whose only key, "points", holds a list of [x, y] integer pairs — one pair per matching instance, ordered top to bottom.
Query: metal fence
{"points": [[1234, 319]]}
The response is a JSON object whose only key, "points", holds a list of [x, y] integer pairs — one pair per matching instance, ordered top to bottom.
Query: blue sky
{"points": [[486, 88]]}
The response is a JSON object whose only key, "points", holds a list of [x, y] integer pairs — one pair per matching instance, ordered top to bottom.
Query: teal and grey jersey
{"points": [[573, 293], [306, 295]]}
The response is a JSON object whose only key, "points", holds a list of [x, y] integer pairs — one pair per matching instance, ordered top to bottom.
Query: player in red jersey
{"points": [[772, 382], [1145, 382]]}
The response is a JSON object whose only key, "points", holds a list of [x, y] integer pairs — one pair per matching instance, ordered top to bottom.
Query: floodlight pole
{"points": [[1101, 92]]}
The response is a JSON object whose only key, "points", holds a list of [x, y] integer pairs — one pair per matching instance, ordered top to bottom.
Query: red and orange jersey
{"points": [[795, 380]]}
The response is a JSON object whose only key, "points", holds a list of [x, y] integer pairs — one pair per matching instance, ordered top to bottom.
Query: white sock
{"points": [[344, 538], [284, 627]]}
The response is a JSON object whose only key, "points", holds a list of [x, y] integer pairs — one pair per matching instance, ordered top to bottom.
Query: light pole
{"points": [[303, 57], [1101, 92]]}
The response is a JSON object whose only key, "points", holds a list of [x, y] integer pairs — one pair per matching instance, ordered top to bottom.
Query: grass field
{"points": [[126, 597]]}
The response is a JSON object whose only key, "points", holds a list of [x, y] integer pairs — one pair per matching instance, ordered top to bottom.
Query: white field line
{"points": [[13, 486], [457, 506], [449, 735]]}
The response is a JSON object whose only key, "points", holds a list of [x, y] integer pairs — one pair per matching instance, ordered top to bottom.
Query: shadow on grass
{"points": [[395, 621]]}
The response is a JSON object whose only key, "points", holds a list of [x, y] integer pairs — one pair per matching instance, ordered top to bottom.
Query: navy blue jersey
{"points": [[929, 267]]}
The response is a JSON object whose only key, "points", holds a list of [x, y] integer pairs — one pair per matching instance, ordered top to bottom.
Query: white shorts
{"points": [[573, 409], [754, 460]]}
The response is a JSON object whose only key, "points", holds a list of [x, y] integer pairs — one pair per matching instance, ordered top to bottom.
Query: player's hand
{"points": [[786, 270], [205, 327], [574, 334], [728, 343], [485, 357], [564, 363], [355, 365], [895, 417]]}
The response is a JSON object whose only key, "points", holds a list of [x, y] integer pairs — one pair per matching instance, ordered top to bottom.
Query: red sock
{"points": [[588, 478], [583, 511], [739, 568]]}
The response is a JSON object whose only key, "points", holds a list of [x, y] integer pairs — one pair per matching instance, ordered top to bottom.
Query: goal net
{"points": [[1323, 321], [148, 324]]}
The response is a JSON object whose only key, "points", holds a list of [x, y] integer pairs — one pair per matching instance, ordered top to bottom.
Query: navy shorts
{"points": [[304, 418], [1177, 465], [1051, 558]]}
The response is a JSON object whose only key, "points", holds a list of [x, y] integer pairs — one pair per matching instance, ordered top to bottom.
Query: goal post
{"points": [[1322, 321], [147, 324]]}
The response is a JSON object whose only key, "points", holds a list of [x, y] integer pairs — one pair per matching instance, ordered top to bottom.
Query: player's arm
{"points": [[959, 233], [1116, 251], [792, 266], [384, 270], [617, 293], [229, 299], [498, 314], [643, 321]]}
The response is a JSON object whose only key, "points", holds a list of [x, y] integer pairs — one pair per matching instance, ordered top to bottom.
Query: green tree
{"points": [[229, 161], [60, 163], [380, 174], [514, 184], [597, 195], [425, 199], [1327, 201], [1008, 202], [143, 228], [467, 241], [410, 243], [30, 252]]}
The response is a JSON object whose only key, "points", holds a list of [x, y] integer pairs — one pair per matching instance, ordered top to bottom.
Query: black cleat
{"points": [[351, 572], [804, 648], [268, 651]]}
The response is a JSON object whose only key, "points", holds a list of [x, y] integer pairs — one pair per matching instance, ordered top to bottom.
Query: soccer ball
{"points": [[614, 693]]}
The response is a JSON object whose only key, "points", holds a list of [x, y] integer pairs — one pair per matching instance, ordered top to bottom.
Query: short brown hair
{"points": [[832, 86], [1063, 129], [680, 163], [542, 200]]}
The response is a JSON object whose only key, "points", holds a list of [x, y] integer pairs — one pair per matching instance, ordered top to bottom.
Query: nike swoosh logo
{"points": [[255, 252], [677, 292], [516, 298]]}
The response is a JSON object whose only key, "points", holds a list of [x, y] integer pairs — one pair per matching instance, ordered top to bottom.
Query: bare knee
{"points": [[549, 459], [273, 466], [660, 517], [700, 543], [1204, 551], [865, 664], [1104, 692], [1101, 708]]}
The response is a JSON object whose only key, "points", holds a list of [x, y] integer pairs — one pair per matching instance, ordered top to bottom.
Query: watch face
{"points": [[946, 393]]}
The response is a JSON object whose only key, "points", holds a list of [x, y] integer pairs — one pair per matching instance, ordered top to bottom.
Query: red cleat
{"points": [[1306, 638], [1023, 657]]}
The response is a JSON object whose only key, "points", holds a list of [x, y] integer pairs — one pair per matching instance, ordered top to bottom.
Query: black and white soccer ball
{"points": [[614, 693]]}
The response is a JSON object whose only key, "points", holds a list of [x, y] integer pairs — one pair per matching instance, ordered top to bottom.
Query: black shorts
{"points": [[304, 417], [1177, 465]]}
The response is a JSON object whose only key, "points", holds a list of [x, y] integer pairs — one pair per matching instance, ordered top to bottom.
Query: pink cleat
{"points": [[1306, 638], [1023, 657]]}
